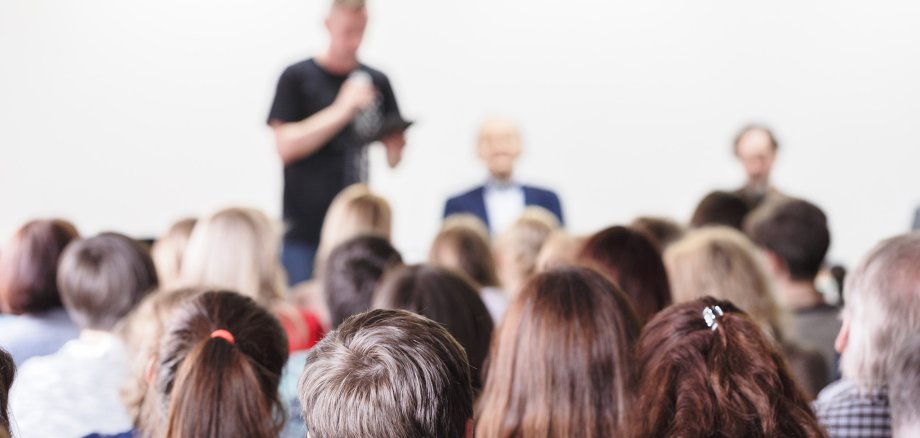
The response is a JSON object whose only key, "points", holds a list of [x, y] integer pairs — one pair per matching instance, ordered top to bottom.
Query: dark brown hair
{"points": [[720, 208], [662, 231], [796, 231], [461, 247], [634, 263], [28, 266], [353, 271], [102, 278], [447, 298], [561, 362], [7, 373], [387, 373], [727, 381], [217, 388]]}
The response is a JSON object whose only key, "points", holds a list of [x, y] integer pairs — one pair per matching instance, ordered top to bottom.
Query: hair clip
{"points": [[710, 314], [223, 334]]}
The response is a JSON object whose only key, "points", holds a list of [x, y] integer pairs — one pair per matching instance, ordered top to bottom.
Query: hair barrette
{"points": [[710, 314]]}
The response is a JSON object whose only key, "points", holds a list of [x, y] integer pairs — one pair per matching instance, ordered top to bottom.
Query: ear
{"points": [[777, 265], [843, 337], [469, 428]]}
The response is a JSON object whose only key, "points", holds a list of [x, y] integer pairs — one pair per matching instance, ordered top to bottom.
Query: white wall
{"points": [[127, 115]]}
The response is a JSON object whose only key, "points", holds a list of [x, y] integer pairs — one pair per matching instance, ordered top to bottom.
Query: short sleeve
{"points": [[288, 103], [390, 107]]}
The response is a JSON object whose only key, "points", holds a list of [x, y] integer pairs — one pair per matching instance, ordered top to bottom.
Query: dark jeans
{"points": [[297, 258]]}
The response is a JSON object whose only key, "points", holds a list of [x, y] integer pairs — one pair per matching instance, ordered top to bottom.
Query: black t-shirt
{"points": [[312, 182]]}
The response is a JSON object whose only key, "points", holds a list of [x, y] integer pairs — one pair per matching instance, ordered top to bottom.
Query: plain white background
{"points": [[126, 115]]}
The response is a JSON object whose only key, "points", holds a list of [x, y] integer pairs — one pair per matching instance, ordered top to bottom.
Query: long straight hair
{"points": [[561, 363], [214, 387]]}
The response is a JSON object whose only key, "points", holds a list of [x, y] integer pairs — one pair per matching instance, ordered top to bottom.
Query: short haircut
{"points": [[754, 127], [720, 208], [662, 231], [796, 231], [463, 245], [634, 263], [28, 266], [353, 271], [102, 278], [447, 298], [882, 307], [561, 363], [7, 373], [387, 373], [727, 379], [221, 384], [904, 389]]}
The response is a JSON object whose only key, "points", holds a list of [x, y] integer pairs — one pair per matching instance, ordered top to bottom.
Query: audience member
{"points": [[755, 147], [502, 199], [720, 208], [355, 211], [662, 231], [795, 237], [462, 245], [518, 247], [237, 249], [559, 249], [167, 252], [633, 262], [721, 262], [353, 272], [444, 297], [881, 315], [34, 322], [561, 362], [218, 369], [707, 370], [7, 373], [387, 373], [904, 388], [76, 390]]}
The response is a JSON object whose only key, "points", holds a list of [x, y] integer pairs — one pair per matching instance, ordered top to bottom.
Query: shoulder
{"points": [[300, 69], [375, 73], [541, 192], [464, 196]]}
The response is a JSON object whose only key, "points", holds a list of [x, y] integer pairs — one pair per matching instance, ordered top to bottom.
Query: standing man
{"points": [[327, 109], [755, 148]]}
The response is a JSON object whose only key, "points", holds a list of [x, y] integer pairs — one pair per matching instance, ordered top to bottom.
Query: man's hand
{"points": [[355, 95], [394, 143]]}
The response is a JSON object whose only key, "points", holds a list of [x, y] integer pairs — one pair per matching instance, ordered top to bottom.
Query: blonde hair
{"points": [[356, 210], [463, 245], [518, 247], [236, 249], [559, 249], [168, 250], [722, 263], [882, 307]]}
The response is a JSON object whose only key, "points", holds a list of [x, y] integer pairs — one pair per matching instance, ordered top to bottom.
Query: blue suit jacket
{"points": [[473, 202]]}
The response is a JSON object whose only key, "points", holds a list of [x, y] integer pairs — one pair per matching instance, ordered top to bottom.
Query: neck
{"points": [[336, 65], [501, 177], [799, 294], [94, 335]]}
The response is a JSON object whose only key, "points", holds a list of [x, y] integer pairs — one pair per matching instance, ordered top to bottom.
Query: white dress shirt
{"points": [[504, 204]]}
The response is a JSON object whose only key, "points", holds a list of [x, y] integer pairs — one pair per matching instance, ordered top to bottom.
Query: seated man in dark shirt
{"points": [[326, 110]]}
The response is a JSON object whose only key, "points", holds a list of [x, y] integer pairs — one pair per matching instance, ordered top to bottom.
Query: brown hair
{"points": [[720, 208], [662, 231], [795, 231], [463, 245], [633, 262], [28, 266], [353, 272], [102, 278], [447, 298], [561, 363], [7, 373], [387, 373], [726, 381], [215, 387]]}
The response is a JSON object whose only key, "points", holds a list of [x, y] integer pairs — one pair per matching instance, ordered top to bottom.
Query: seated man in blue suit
{"points": [[501, 200]]}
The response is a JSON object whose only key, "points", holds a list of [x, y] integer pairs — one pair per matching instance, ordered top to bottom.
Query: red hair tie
{"points": [[223, 334]]}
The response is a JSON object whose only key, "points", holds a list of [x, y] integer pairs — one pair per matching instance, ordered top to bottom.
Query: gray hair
{"points": [[883, 309], [387, 373], [904, 390]]}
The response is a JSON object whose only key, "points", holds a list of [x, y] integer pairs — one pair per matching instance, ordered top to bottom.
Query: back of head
{"points": [[720, 208], [355, 211], [662, 231], [795, 231], [463, 246], [518, 247], [235, 249], [559, 249], [168, 250], [722, 262], [634, 263], [28, 266], [353, 271], [103, 278], [446, 298], [882, 308], [561, 363], [218, 369], [707, 370], [7, 373], [387, 373], [904, 391]]}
